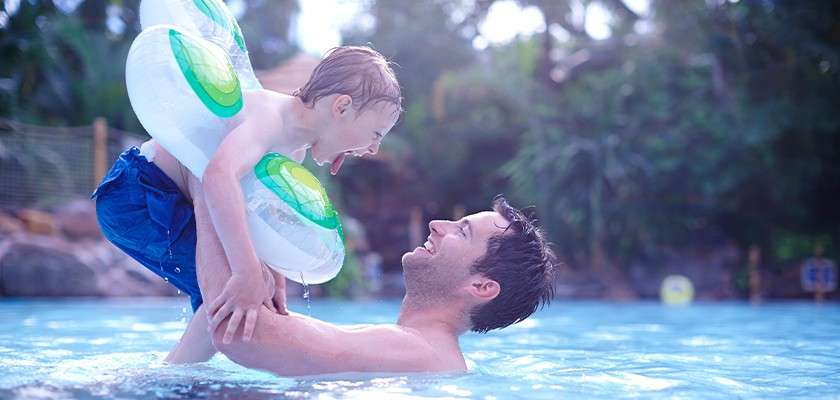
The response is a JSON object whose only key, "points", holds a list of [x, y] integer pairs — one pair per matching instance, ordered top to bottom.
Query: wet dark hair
{"points": [[357, 71], [520, 260]]}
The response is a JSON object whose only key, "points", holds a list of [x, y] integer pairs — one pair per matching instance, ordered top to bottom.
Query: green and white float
{"points": [[185, 75], [301, 233]]}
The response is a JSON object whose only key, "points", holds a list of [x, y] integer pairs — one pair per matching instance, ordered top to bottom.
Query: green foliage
{"points": [[265, 26], [64, 68], [69, 68], [722, 118], [720, 123], [791, 247], [349, 279]]}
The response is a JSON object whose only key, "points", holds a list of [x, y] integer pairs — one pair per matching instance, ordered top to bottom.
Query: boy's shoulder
{"points": [[264, 99], [264, 107]]}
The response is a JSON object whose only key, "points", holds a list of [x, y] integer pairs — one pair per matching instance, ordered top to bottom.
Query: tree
{"points": [[719, 119]]}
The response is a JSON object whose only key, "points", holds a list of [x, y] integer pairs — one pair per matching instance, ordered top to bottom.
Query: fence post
{"points": [[100, 138], [415, 227], [754, 269]]}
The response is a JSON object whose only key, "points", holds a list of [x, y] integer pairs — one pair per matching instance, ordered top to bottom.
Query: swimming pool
{"points": [[114, 348]]}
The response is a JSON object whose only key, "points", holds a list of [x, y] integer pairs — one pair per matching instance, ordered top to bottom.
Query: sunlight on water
{"points": [[115, 349]]}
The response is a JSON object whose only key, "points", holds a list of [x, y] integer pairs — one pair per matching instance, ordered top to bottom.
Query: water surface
{"points": [[114, 349]]}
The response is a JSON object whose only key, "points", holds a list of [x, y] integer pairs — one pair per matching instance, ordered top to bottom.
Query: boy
{"points": [[144, 203]]}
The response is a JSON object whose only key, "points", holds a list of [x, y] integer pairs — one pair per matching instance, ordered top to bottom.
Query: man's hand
{"points": [[241, 297]]}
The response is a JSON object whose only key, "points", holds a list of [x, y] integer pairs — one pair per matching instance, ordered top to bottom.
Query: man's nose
{"points": [[437, 227]]}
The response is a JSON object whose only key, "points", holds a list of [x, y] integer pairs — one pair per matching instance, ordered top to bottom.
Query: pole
{"points": [[100, 140], [755, 274]]}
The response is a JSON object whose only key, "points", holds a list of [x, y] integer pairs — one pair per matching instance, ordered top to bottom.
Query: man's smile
{"points": [[429, 246]]}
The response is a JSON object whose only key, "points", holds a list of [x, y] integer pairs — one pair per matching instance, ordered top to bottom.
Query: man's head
{"points": [[357, 97], [496, 264]]}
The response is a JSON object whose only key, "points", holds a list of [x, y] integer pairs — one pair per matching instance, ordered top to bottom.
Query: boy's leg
{"points": [[143, 213], [196, 344]]}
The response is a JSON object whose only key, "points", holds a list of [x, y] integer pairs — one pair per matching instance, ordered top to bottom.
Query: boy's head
{"points": [[357, 95]]}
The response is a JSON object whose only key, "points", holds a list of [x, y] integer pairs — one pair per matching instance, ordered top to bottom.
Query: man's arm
{"points": [[298, 345]]}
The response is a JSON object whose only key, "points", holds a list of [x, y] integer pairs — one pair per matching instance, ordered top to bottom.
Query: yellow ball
{"points": [[676, 290]]}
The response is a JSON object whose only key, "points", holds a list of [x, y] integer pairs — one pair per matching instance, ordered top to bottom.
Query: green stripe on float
{"points": [[218, 13], [209, 73], [298, 188]]}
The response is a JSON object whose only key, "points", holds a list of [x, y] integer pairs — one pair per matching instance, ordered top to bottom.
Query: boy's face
{"points": [[353, 132]]}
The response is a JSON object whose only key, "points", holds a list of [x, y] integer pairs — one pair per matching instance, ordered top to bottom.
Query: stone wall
{"points": [[62, 253]]}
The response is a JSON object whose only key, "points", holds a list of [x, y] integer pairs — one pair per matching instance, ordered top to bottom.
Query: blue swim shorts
{"points": [[143, 212]]}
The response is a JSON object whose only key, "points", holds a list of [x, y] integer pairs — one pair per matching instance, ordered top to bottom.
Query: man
{"points": [[483, 272]]}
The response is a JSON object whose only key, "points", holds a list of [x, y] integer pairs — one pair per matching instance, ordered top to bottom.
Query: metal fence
{"points": [[44, 166]]}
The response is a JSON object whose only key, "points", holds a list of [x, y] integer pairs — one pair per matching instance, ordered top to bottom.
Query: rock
{"points": [[77, 220], [36, 221], [50, 266], [32, 269], [127, 277]]}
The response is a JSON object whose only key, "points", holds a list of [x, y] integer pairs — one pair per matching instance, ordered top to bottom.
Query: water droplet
{"points": [[177, 270], [166, 279], [179, 291], [306, 295], [184, 309]]}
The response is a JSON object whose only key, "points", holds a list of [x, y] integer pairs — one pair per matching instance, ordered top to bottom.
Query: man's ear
{"points": [[342, 105], [484, 289]]}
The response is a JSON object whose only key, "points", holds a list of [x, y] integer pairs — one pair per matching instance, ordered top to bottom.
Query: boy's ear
{"points": [[342, 104]]}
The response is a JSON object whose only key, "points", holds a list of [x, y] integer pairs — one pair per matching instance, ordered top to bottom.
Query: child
{"points": [[144, 204]]}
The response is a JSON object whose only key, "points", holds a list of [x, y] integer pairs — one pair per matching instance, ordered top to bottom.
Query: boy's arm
{"points": [[239, 152], [211, 281], [243, 293]]}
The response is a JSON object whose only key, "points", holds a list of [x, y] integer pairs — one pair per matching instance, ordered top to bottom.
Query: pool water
{"points": [[114, 349]]}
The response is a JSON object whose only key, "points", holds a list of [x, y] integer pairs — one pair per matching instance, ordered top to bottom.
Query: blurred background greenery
{"points": [[642, 131]]}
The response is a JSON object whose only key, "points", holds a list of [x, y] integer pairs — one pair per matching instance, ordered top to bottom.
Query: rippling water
{"points": [[114, 349]]}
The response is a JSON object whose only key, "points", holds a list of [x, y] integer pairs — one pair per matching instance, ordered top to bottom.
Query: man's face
{"points": [[442, 264]]}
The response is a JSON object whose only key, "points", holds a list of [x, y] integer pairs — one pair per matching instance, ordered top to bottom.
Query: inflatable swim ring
{"points": [[185, 74]]}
